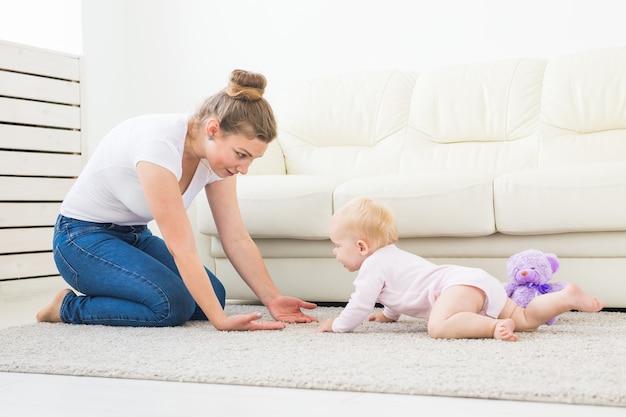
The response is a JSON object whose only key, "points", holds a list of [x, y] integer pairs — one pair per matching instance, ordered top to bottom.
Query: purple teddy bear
{"points": [[529, 272]]}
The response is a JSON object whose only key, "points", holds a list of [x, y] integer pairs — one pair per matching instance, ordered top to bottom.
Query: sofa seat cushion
{"points": [[577, 198], [438, 203], [280, 206]]}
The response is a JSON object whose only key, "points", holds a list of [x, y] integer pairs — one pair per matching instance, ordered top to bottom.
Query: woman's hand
{"points": [[287, 309], [248, 322]]}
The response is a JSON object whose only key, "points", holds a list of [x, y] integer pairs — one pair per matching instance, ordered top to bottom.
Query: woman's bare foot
{"points": [[582, 301], [52, 312], [505, 330]]}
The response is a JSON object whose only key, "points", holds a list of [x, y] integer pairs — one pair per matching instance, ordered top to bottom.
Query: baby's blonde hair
{"points": [[370, 220]]}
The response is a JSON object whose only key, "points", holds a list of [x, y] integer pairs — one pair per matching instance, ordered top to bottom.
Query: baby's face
{"points": [[346, 248]]}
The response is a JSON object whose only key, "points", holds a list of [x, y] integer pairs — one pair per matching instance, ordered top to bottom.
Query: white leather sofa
{"points": [[478, 161]]}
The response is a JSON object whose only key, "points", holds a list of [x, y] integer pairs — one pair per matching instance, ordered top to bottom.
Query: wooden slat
{"points": [[31, 60], [13, 84], [39, 114], [39, 139], [40, 153], [40, 164], [34, 189], [28, 214], [34, 239], [27, 265], [25, 290]]}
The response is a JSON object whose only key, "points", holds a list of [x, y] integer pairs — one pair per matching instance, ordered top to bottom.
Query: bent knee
{"points": [[173, 312], [436, 330]]}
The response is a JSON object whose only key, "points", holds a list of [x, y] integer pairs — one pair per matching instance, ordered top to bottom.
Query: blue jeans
{"points": [[127, 275]]}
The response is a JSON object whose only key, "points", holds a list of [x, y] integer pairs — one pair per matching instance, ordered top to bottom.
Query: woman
{"points": [[152, 167]]}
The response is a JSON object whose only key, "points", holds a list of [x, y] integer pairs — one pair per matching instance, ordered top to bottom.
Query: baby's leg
{"points": [[543, 308], [456, 315]]}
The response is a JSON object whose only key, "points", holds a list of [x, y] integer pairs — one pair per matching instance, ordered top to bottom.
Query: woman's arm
{"points": [[163, 195], [245, 256]]}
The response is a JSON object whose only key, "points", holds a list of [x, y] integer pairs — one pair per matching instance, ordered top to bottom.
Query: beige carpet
{"points": [[579, 360]]}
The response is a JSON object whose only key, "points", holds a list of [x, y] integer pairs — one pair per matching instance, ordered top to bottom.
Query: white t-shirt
{"points": [[108, 189], [405, 283]]}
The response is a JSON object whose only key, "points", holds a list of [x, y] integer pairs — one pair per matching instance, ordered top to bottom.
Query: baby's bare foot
{"points": [[582, 301], [52, 312], [505, 330]]}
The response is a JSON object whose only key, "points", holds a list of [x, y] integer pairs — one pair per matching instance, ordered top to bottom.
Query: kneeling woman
{"points": [[152, 167]]}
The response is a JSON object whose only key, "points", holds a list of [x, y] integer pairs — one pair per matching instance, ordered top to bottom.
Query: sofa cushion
{"points": [[583, 108], [482, 116], [345, 124], [583, 198], [442, 203], [280, 206]]}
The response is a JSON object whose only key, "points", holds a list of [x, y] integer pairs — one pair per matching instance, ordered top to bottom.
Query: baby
{"points": [[458, 301]]}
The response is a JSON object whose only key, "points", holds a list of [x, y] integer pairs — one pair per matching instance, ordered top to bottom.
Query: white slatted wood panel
{"points": [[21, 58], [24, 86], [38, 113], [39, 139], [40, 153], [39, 164], [25, 189], [28, 214], [24, 240], [27, 265]]}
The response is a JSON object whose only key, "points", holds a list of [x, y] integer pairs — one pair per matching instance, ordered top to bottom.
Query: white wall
{"points": [[43, 23], [167, 55]]}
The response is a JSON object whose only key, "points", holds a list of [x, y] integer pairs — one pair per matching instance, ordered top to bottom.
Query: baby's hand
{"points": [[379, 317], [327, 326]]}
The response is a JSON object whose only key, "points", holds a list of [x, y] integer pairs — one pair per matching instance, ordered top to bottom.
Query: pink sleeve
{"points": [[368, 285], [391, 314]]}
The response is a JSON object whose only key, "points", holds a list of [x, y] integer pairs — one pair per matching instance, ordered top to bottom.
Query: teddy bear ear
{"points": [[554, 261]]}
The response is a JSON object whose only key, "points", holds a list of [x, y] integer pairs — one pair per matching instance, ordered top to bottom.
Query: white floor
{"points": [[52, 395]]}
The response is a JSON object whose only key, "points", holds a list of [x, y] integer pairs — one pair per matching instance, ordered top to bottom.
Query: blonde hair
{"points": [[241, 108], [370, 220]]}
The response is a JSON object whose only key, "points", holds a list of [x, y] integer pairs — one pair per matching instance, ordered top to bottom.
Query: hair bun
{"points": [[244, 85]]}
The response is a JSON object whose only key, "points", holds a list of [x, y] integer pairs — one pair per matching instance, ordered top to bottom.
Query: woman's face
{"points": [[232, 154]]}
